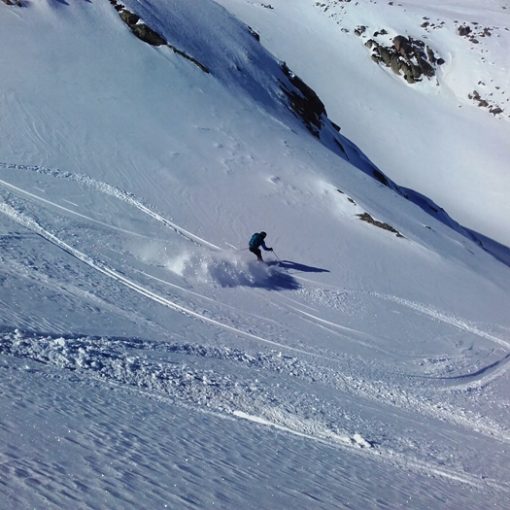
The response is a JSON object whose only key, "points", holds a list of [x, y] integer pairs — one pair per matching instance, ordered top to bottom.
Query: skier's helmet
{"points": [[263, 234]]}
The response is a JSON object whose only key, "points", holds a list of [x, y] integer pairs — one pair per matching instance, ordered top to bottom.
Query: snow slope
{"points": [[430, 136], [148, 361]]}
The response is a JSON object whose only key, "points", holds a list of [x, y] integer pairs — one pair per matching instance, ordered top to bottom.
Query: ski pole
{"points": [[274, 253]]}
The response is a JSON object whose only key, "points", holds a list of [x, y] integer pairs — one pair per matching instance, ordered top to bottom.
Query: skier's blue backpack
{"points": [[254, 240]]}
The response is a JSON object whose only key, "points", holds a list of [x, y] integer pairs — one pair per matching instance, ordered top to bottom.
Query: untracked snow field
{"points": [[147, 360]]}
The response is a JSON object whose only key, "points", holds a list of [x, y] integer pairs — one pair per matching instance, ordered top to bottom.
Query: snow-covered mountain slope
{"points": [[437, 136], [147, 359]]}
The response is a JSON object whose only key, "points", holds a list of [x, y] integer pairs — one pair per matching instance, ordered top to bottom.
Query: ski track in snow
{"points": [[16, 189], [107, 189], [130, 199], [33, 225], [206, 298], [447, 319], [345, 332], [122, 361], [471, 380], [205, 381], [358, 386], [202, 387]]}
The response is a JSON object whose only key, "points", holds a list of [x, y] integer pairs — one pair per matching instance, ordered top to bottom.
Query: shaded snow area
{"points": [[148, 360]]}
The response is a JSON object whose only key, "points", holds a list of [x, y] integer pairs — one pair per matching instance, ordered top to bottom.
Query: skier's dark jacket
{"points": [[257, 240]]}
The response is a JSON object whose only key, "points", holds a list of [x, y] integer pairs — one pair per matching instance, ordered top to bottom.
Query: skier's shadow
{"points": [[289, 264], [260, 276]]}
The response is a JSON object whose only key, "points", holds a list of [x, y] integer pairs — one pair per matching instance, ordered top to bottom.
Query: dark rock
{"points": [[129, 18], [141, 30], [360, 30], [464, 30], [146, 34], [254, 34], [150, 36], [401, 45], [385, 55], [430, 55], [407, 56], [190, 58], [395, 64], [426, 68], [407, 71], [417, 72], [409, 77], [304, 101], [484, 103], [336, 126], [380, 177], [385, 226]]}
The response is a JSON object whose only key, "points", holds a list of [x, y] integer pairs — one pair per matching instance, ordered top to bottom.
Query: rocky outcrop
{"points": [[127, 17], [138, 27], [464, 30], [475, 33], [254, 34], [148, 35], [407, 57], [304, 101], [484, 103], [365, 216], [385, 226]]}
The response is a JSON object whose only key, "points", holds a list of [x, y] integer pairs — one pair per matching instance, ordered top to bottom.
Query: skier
{"points": [[256, 241]]}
